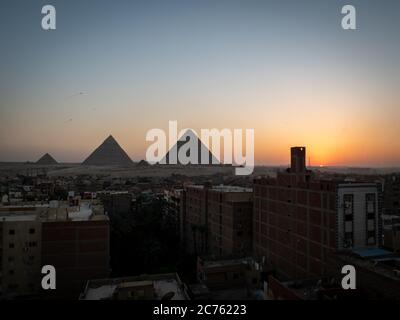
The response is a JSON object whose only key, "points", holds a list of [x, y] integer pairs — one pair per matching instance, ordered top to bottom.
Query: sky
{"points": [[283, 68]]}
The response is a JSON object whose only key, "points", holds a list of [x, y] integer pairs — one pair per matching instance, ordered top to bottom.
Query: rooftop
{"points": [[354, 184], [224, 188], [107, 192], [53, 211], [15, 218], [371, 252], [378, 261], [212, 263], [163, 284], [313, 289]]}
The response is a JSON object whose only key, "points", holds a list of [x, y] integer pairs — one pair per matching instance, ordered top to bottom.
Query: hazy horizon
{"points": [[286, 69]]}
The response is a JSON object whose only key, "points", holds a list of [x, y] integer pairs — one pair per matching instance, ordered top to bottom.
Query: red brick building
{"points": [[299, 220], [79, 250]]}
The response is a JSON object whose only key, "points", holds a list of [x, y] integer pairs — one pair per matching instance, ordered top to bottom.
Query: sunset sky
{"points": [[284, 68]]}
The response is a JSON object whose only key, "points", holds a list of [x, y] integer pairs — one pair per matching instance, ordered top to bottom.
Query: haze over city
{"points": [[289, 71]]}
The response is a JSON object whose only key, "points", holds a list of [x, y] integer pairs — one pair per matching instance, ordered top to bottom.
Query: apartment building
{"points": [[391, 195], [116, 202], [217, 220], [300, 220], [73, 239], [20, 258]]}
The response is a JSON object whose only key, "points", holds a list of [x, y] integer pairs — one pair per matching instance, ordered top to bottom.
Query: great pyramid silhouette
{"points": [[202, 149], [108, 153], [46, 160]]}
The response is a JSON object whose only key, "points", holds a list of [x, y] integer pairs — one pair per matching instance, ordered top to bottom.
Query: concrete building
{"points": [[391, 195], [116, 202], [172, 209], [358, 215], [216, 220], [299, 220], [391, 233], [73, 239], [20, 258], [229, 279], [146, 287]]}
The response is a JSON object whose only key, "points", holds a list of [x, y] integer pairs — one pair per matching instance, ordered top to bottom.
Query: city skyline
{"points": [[124, 68], [200, 157]]}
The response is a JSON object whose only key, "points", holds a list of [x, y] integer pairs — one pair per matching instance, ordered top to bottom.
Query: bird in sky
{"points": [[76, 94]]}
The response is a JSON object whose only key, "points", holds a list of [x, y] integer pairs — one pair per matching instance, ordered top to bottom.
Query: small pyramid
{"points": [[189, 135], [108, 153], [46, 160]]}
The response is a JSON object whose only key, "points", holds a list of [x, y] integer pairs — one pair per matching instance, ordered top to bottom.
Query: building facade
{"points": [[391, 195], [299, 220], [216, 221], [75, 240], [20, 258]]}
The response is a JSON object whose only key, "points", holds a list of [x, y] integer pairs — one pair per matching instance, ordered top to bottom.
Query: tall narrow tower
{"points": [[298, 159]]}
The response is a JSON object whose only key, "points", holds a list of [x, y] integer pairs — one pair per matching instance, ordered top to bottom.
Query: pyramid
{"points": [[189, 134], [108, 153], [46, 160]]}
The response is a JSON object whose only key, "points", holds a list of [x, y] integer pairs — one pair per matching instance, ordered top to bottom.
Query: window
{"points": [[370, 202], [348, 204], [371, 216], [348, 217], [348, 220], [371, 225], [348, 226], [31, 230], [11, 232], [349, 235], [371, 238], [348, 239], [32, 244], [11, 245], [10, 259], [11, 272]]}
